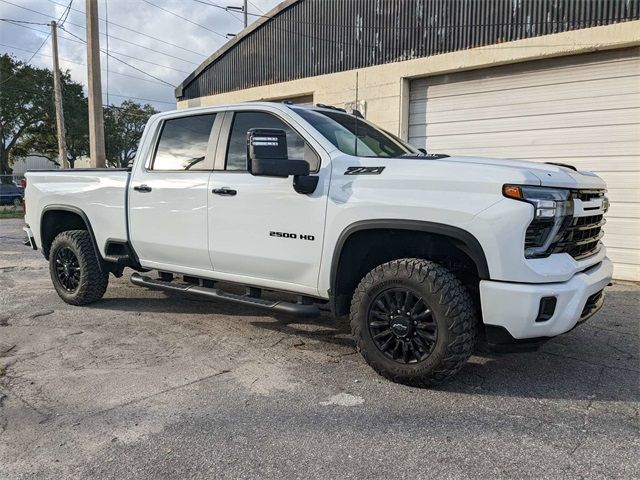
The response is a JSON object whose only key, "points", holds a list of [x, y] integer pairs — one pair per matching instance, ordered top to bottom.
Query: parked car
{"points": [[10, 194], [427, 253]]}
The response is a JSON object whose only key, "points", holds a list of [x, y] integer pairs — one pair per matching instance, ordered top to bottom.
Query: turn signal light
{"points": [[512, 191]]}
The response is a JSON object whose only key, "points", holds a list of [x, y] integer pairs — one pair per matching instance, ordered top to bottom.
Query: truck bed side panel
{"points": [[100, 194]]}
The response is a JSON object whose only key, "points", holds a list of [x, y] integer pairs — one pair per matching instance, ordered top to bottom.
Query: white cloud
{"points": [[140, 17]]}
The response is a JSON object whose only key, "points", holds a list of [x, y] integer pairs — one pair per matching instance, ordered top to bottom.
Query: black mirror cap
{"points": [[278, 167], [305, 184]]}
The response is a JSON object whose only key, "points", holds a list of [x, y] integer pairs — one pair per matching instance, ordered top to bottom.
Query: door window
{"points": [[183, 144], [297, 148]]}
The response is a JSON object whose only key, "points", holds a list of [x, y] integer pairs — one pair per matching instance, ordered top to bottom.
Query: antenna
{"points": [[356, 118]]}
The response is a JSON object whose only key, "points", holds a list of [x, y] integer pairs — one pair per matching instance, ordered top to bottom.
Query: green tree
{"points": [[26, 93], [123, 127], [44, 140]]}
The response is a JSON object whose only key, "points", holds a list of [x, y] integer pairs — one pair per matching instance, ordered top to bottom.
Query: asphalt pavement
{"points": [[148, 385]]}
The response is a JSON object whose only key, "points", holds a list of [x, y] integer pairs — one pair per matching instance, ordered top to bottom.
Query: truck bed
{"points": [[100, 194]]}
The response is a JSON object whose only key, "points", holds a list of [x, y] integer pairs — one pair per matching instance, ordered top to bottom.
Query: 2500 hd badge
{"points": [[292, 235]]}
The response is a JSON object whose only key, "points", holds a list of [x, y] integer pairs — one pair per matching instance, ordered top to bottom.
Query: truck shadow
{"points": [[596, 361]]}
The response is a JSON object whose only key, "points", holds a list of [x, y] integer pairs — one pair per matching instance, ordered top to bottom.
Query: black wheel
{"points": [[17, 202], [75, 270], [413, 321]]}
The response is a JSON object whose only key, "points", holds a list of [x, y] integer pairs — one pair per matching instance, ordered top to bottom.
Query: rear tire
{"points": [[75, 268], [413, 321]]}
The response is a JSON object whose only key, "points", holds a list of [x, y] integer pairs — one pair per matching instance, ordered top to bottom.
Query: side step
{"points": [[297, 309]]}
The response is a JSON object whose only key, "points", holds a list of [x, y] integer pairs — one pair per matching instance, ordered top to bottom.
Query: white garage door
{"points": [[582, 110]]}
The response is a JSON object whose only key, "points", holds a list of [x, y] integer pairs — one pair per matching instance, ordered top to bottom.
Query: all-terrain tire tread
{"points": [[93, 281], [451, 294]]}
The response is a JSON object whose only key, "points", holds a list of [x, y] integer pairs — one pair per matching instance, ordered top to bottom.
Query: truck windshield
{"points": [[355, 136]]}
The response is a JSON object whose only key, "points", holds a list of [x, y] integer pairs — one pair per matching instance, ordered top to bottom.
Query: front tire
{"points": [[75, 268], [413, 321]]}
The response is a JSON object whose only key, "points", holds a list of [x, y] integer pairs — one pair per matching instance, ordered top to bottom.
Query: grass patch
{"points": [[9, 214]]}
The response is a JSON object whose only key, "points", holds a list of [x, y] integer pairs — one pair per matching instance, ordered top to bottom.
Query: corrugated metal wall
{"points": [[315, 37]]}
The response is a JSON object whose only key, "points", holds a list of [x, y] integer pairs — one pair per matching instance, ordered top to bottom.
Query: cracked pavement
{"points": [[148, 385]]}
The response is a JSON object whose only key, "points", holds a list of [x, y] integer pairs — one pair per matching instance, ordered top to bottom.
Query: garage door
{"points": [[582, 110]]}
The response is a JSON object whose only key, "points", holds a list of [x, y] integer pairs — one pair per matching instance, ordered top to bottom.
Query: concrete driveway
{"points": [[145, 385]]}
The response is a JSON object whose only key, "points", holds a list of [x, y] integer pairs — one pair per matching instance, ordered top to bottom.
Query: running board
{"points": [[297, 309]]}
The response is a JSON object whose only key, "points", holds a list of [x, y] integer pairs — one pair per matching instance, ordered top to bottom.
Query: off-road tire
{"points": [[93, 282], [451, 306]]}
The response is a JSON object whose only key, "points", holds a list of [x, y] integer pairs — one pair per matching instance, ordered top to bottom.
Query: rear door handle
{"points": [[142, 188], [224, 191]]}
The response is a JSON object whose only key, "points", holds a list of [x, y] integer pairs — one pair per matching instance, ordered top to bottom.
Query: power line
{"points": [[256, 7], [226, 9], [66, 15], [183, 18], [11, 20], [111, 22], [83, 27], [81, 41], [133, 43], [41, 45], [122, 61], [83, 64], [12, 87], [143, 99]]}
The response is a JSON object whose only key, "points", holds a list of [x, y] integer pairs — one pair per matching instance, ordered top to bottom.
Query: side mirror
{"points": [[267, 154]]}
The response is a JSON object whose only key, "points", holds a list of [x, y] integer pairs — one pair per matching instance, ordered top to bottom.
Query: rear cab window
{"points": [[183, 144]]}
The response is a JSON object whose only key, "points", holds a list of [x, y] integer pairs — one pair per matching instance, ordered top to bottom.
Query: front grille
{"points": [[587, 195], [578, 236]]}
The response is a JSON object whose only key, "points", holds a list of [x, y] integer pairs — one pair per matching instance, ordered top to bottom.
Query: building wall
{"points": [[344, 35], [385, 88], [383, 92], [31, 162]]}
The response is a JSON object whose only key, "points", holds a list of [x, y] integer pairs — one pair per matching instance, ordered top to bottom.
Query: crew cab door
{"points": [[168, 195], [261, 231]]}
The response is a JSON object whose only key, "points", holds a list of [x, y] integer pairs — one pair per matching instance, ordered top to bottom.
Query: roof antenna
{"points": [[356, 118]]}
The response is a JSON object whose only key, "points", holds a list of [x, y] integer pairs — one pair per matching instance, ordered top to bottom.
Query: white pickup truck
{"points": [[427, 253]]}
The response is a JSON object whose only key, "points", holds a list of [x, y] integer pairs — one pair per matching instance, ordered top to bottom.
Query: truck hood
{"points": [[549, 175]]}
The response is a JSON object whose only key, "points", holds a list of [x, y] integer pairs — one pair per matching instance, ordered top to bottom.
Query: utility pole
{"points": [[244, 9], [57, 91], [96, 119]]}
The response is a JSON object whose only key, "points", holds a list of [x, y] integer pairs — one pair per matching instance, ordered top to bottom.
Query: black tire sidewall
{"points": [[92, 282], [452, 308], [442, 340]]}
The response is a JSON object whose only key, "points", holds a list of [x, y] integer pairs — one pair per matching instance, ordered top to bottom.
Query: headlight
{"points": [[551, 207]]}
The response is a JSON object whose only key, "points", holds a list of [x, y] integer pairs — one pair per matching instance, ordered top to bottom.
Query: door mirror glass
{"points": [[267, 154]]}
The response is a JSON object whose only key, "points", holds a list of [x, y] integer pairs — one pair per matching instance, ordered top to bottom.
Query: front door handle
{"points": [[142, 188], [224, 191]]}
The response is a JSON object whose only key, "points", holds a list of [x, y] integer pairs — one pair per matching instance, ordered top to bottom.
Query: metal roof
{"points": [[305, 38]]}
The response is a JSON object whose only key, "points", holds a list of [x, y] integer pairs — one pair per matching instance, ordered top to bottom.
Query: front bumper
{"points": [[514, 307]]}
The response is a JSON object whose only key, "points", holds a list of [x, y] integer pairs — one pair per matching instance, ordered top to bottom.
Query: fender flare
{"points": [[85, 219], [464, 240]]}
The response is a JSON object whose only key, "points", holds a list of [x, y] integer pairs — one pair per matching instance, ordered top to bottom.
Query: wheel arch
{"points": [[56, 219], [461, 239]]}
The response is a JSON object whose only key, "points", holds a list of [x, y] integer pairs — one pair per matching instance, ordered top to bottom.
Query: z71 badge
{"points": [[364, 170]]}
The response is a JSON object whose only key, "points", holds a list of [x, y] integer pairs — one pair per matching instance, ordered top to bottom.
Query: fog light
{"points": [[547, 308]]}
